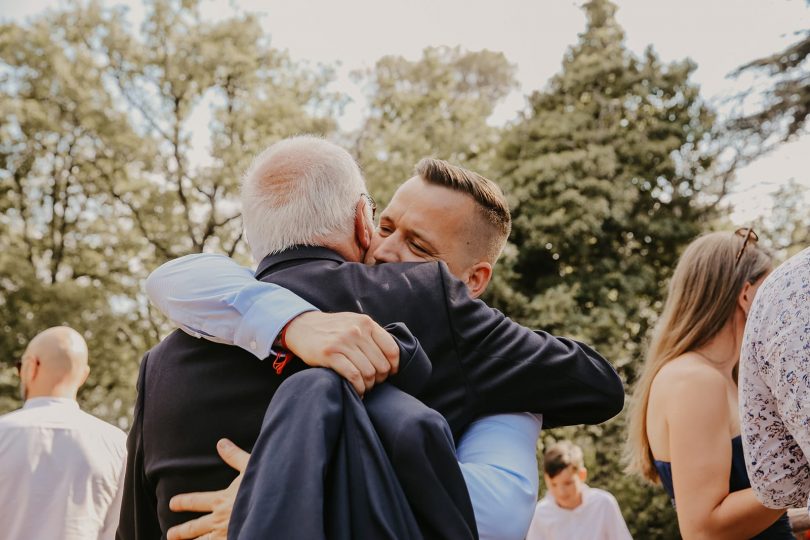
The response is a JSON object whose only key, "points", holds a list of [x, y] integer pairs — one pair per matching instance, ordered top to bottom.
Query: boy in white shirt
{"points": [[571, 510]]}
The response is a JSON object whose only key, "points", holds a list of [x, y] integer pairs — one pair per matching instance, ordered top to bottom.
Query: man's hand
{"points": [[353, 345], [218, 504]]}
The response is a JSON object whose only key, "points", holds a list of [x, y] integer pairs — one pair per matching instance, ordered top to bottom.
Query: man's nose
{"points": [[386, 251]]}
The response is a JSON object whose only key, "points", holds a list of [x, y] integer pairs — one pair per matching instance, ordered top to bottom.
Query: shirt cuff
{"points": [[264, 320]]}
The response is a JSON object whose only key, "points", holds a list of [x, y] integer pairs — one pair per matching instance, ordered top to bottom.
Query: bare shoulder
{"points": [[689, 380], [688, 399]]}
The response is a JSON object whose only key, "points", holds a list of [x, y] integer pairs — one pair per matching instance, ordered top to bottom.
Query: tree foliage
{"points": [[786, 103], [435, 106], [610, 175], [100, 179], [787, 227]]}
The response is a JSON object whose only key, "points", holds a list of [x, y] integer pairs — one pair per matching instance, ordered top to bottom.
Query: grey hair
{"points": [[299, 191]]}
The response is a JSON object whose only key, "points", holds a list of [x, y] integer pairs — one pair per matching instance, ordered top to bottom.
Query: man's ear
{"points": [[362, 227], [477, 278], [33, 369], [85, 375], [582, 473]]}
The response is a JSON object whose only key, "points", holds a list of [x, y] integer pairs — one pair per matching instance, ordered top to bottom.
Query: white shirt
{"points": [[213, 297], [775, 386], [61, 472], [597, 518]]}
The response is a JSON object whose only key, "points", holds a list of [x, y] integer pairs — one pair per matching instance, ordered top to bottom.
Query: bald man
{"points": [[61, 469]]}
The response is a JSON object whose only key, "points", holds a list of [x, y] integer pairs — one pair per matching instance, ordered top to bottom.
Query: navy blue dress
{"points": [[779, 530]]}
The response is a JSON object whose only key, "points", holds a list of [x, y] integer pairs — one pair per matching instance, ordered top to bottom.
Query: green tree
{"points": [[256, 95], [435, 106], [784, 107], [610, 175], [100, 179], [787, 228], [65, 257]]}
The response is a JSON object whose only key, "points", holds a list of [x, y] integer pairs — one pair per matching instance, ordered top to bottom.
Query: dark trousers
{"points": [[320, 469]]}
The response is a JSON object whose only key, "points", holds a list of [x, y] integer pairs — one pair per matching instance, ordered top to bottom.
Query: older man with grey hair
{"points": [[291, 197]]}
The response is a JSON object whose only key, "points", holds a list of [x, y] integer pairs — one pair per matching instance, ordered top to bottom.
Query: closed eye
{"points": [[419, 250]]}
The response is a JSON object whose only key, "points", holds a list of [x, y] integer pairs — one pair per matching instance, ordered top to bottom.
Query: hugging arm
{"points": [[211, 296], [512, 368]]}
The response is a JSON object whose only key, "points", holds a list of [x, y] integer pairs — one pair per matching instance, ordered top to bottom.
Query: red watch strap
{"points": [[283, 354], [281, 360]]}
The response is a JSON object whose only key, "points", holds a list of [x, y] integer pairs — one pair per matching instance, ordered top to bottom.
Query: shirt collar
{"points": [[293, 254], [49, 401], [585, 496]]}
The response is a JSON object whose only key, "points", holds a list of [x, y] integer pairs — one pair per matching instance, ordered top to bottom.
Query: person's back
{"points": [[191, 392], [773, 406], [684, 426], [61, 472]]}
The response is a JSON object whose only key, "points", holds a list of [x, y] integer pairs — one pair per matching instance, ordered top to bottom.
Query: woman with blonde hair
{"points": [[684, 429]]}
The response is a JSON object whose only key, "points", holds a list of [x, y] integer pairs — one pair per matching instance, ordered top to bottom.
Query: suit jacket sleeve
{"points": [[414, 366], [511, 368], [139, 518]]}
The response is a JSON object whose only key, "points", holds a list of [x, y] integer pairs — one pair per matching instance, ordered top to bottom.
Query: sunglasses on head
{"points": [[749, 236]]}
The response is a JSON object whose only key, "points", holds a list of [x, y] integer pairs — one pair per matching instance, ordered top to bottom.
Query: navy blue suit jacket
{"points": [[483, 362]]}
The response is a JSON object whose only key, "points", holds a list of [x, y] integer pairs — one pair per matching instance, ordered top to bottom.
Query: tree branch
{"points": [[139, 221], [235, 244]]}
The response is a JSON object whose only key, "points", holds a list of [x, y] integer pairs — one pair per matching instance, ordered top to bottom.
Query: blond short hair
{"points": [[493, 208]]}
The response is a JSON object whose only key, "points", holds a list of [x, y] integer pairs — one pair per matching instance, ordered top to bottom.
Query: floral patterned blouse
{"points": [[775, 386]]}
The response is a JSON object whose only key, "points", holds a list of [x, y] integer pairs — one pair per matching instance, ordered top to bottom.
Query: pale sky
{"points": [[718, 35]]}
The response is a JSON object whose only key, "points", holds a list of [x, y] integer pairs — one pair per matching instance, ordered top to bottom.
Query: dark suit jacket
{"points": [[192, 392]]}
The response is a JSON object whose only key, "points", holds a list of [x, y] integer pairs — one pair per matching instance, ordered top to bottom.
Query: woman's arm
{"points": [[700, 452]]}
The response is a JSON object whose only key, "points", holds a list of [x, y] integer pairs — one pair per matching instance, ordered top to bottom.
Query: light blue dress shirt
{"points": [[213, 297]]}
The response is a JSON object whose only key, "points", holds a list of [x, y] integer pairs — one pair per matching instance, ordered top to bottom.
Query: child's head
{"points": [[564, 473]]}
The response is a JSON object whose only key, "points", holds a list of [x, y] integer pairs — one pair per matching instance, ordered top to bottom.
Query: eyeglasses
{"points": [[373, 205], [749, 236]]}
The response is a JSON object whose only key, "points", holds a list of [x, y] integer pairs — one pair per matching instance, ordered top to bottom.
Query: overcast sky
{"points": [[718, 35]]}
